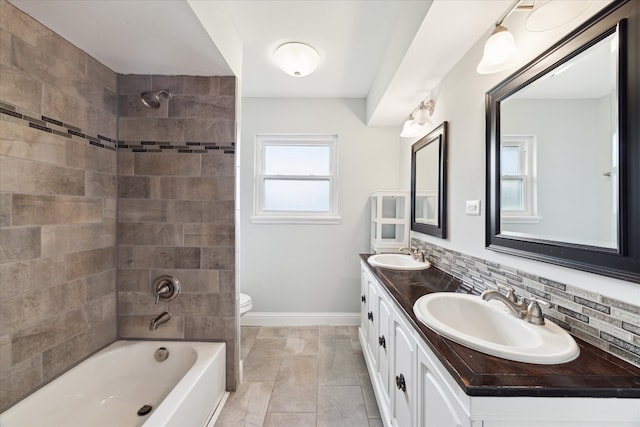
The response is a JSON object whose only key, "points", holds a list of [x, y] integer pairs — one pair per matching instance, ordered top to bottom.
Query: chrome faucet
{"points": [[406, 251], [416, 253], [531, 313], [159, 320]]}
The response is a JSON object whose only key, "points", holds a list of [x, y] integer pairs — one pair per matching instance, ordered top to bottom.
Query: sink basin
{"points": [[397, 262], [488, 328]]}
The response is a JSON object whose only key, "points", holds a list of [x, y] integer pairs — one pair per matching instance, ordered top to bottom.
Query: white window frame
{"points": [[527, 159], [261, 215]]}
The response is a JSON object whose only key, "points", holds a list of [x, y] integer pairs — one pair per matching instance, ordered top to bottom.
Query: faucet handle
{"points": [[164, 290], [511, 293], [534, 312]]}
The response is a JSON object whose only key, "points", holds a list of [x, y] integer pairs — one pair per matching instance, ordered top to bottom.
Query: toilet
{"points": [[245, 304]]}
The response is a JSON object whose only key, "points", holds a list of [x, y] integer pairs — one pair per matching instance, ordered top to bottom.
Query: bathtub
{"points": [[109, 388]]}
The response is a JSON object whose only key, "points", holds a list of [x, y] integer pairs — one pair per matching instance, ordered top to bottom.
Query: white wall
{"points": [[460, 100], [301, 268]]}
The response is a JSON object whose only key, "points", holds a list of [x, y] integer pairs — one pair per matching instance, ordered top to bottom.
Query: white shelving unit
{"points": [[389, 221]]}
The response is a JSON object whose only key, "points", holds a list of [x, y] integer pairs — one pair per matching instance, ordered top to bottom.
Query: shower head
{"points": [[152, 99]]}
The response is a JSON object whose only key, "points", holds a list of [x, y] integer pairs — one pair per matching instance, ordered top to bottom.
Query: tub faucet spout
{"points": [[159, 320]]}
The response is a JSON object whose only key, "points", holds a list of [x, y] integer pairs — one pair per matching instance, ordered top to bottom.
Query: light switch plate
{"points": [[472, 207]]}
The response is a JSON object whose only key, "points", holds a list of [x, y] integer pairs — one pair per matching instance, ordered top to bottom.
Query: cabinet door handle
{"points": [[363, 298], [370, 315], [382, 342], [400, 383]]}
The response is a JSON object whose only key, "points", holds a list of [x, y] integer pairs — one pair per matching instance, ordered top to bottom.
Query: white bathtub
{"points": [[110, 387]]}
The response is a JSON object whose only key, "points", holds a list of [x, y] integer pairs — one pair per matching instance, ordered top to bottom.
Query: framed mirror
{"points": [[562, 151], [429, 183]]}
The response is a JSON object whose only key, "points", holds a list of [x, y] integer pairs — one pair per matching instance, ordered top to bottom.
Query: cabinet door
{"points": [[364, 287], [372, 322], [384, 344], [404, 366], [436, 406]]}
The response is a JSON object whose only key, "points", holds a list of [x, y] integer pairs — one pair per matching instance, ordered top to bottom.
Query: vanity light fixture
{"points": [[500, 48], [297, 59], [419, 119]]}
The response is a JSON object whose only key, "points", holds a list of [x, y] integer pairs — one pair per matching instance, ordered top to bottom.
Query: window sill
{"points": [[285, 219], [520, 219]]}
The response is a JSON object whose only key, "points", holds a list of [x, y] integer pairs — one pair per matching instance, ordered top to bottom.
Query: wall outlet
{"points": [[472, 207]]}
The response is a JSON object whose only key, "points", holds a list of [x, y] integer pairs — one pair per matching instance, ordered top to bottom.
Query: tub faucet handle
{"points": [[164, 290]]}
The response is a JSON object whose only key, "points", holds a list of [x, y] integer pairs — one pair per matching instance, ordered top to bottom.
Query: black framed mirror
{"points": [[563, 151], [429, 183]]}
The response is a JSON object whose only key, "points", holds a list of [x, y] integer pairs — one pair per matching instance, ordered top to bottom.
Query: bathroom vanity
{"points": [[422, 379]]}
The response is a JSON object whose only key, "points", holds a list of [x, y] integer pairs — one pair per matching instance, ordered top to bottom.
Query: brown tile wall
{"points": [[57, 205], [176, 209]]}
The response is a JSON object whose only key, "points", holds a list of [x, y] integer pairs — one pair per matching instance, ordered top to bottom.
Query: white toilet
{"points": [[245, 304]]}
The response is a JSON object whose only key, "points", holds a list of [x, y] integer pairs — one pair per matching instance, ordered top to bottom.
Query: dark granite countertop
{"points": [[594, 373]]}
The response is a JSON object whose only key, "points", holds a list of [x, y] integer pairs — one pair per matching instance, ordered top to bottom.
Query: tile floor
{"points": [[302, 376]]}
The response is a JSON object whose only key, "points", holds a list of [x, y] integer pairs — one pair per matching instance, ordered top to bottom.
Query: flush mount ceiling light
{"points": [[547, 15], [500, 49], [297, 59], [419, 120]]}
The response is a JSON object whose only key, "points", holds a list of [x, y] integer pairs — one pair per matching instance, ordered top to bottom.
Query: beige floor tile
{"points": [[273, 332], [330, 332], [247, 339], [303, 340], [291, 359], [263, 361], [338, 363], [296, 387], [247, 406], [341, 406], [290, 420]]}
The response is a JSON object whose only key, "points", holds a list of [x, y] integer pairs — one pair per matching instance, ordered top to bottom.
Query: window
{"points": [[296, 179], [517, 179]]}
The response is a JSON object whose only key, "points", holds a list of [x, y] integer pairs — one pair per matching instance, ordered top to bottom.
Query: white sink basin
{"points": [[397, 262], [488, 328]]}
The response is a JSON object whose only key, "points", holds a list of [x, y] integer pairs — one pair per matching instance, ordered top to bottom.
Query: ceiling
{"points": [[391, 52]]}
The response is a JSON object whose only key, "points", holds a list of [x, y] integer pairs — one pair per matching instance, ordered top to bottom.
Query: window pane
{"points": [[296, 160], [509, 160], [296, 195], [511, 195]]}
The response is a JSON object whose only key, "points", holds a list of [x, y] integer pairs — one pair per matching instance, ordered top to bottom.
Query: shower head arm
{"points": [[165, 93]]}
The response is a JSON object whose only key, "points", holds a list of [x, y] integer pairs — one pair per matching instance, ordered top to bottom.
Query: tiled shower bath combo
{"points": [[78, 149]]}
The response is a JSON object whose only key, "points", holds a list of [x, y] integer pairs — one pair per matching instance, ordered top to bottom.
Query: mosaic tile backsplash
{"points": [[607, 323]]}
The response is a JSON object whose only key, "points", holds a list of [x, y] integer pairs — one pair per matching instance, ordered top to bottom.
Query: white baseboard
{"points": [[299, 319]]}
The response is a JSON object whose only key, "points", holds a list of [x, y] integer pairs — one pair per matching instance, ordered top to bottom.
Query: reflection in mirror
{"points": [[558, 152], [427, 169], [428, 183]]}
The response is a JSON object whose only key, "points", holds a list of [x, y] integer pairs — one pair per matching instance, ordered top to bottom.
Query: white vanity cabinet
{"points": [[375, 338], [395, 360], [403, 373], [414, 389], [439, 402]]}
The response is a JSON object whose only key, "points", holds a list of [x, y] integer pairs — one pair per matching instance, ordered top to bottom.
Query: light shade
{"points": [[499, 52], [297, 59], [422, 115], [411, 129]]}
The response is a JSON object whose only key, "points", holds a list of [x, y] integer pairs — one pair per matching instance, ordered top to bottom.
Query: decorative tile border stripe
{"points": [[56, 127], [173, 147], [607, 323]]}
